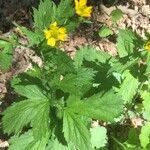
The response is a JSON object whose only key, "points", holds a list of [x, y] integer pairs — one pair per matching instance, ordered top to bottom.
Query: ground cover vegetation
{"points": [[80, 103]]}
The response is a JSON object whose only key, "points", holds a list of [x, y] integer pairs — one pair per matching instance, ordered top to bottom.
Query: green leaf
{"points": [[48, 12], [63, 14], [43, 15], [116, 15], [72, 24], [105, 31], [34, 38], [125, 42], [90, 54], [6, 55], [63, 61], [121, 64], [147, 71], [35, 72], [77, 84], [129, 87], [30, 91], [146, 103], [101, 106], [22, 113], [40, 124], [75, 131], [145, 135], [98, 137], [133, 139], [21, 142], [27, 142], [38, 144], [56, 145]]}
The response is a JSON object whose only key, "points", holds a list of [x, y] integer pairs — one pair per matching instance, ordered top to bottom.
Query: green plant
{"points": [[6, 52], [57, 103], [60, 108]]}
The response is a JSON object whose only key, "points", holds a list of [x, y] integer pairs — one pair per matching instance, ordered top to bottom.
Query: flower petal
{"points": [[82, 2], [82, 9], [87, 11], [53, 25], [62, 30], [47, 34], [55, 34], [62, 37], [51, 42], [147, 46]]}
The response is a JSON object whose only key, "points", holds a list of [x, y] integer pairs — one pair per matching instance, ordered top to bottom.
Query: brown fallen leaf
{"points": [[136, 122], [4, 144]]}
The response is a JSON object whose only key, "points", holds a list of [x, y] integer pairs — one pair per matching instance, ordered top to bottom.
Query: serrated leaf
{"points": [[48, 12], [63, 14], [43, 15], [116, 15], [72, 24], [105, 31], [34, 38], [125, 42], [90, 54], [6, 55], [63, 61], [119, 66], [35, 72], [147, 72], [118, 76], [77, 84], [129, 87], [30, 91], [146, 103], [101, 106], [24, 112], [40, 125], [75, 131], [145, 135], [98, 137], [133, 139], [26, 141], [21, 142], [38, 144], [56, 145]]}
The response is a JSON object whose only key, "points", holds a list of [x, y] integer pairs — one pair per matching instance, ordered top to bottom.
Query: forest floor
{"points": [[136, 15]]}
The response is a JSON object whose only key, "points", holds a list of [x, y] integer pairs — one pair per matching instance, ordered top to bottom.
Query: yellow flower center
{"points": [[55, 34]]}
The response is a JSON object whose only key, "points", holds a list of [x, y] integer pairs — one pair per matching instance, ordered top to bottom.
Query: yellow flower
{"points": [[82, 9], [55, 34], [147, 46]]}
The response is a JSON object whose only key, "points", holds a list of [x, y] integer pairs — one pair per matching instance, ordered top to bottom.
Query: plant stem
{"points": [[119, 143]]}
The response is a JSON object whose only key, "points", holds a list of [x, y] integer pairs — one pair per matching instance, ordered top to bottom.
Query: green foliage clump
{"points": [[57, 103]]}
